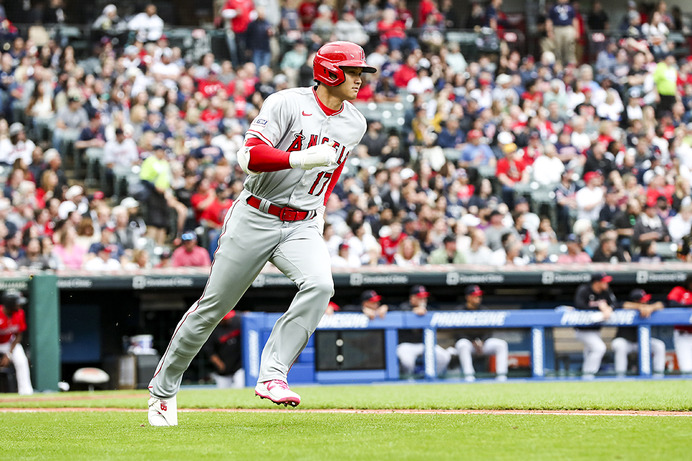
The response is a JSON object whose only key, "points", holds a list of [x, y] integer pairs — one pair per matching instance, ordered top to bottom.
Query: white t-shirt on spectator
{"points": [[148, 28], [121, 155], [547, 170], [586, 197], [678, 228]]}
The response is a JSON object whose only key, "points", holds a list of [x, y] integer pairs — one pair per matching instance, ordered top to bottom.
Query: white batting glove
{"points": [[320, 155]]}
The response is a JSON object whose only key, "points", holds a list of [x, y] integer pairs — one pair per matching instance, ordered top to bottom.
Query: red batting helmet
{"points": [[331, 57]]}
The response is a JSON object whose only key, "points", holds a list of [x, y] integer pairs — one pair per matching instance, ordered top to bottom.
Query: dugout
{"points": [[79, 319]]}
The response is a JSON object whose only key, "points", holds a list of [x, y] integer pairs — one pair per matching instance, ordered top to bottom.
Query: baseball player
{"points": [[293, 153], [594, 295], [681, 296], [12, 325], [625, 341], [480, 342], [411, 346]]}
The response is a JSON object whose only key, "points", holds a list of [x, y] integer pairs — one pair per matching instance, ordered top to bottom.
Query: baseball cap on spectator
{"points": [[503, 79], [635, 92], [74, 98], [16, 128], [119, 131], [475, 134], [533, 134], [504, 137], [509, 148], [50, 154], [393, 163], [590, 175], [74, 192], [98, 195], [129, 202], [470, 220], [188, 236], [572, 238], [343, 246], [99, 247], [601, 277], [473, 290], [420, 291], [370, 295], [639, 295]]}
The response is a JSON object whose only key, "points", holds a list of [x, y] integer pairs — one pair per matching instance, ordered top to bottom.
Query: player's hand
{"points": [[312, 157], [4, 360]]}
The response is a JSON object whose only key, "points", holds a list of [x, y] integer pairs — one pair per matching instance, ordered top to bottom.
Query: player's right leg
{"points": [[248, 239], [500, 349], [594, 350]]}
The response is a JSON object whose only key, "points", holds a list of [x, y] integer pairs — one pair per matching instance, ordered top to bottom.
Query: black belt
{"points": [[283, 213]]}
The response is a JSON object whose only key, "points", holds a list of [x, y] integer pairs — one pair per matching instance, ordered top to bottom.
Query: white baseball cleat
{"points": [[278, 392], [163, 412]]}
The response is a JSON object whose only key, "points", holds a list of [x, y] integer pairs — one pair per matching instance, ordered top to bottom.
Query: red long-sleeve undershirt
{"points": [[265, 158]]}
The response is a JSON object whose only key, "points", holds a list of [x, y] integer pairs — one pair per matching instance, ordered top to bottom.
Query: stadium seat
{"points": [[667, 251]]}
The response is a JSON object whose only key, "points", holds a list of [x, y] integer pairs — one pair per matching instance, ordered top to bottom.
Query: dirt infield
{"points": [[374, 411]]}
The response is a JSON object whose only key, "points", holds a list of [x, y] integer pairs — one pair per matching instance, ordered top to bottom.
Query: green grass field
{"points": [[286, 433]]}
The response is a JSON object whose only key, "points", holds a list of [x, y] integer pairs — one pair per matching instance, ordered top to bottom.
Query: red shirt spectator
{"points": [[307, 12], [239, 13], [209, 86], [207, 205], [390, 243], [189, 254]]}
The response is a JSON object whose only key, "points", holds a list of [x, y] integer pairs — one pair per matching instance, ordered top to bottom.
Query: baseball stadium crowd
{"points": [[127, 158]]}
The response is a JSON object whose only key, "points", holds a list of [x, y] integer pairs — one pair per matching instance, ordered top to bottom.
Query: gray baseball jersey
{"points": [[290, 120]]}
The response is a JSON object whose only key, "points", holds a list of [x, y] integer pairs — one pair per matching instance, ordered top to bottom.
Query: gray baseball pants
{"points": [[248, 240]]}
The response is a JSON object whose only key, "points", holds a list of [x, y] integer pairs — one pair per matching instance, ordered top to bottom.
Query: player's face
{"points": [[349, 89]]}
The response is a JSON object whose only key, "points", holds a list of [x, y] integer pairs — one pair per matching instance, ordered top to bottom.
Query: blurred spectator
{"points": [[238, 14], [147, 25], [348, 28], [259, 33], [69, 124], [511, 170], [156, 177], [589, 199], [649, 227], [608, 250], [70, 253], [447, 253], [189, 254], [575, 254], [103, 260], [597, 296], [681, 296], [626, 338], [480, 342], [411, 347]]}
